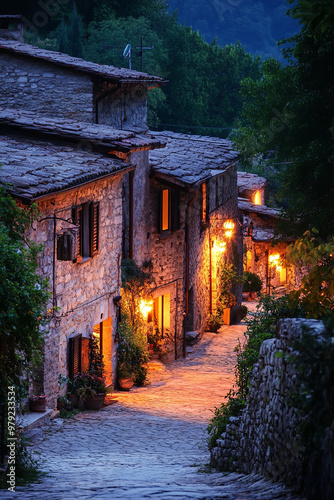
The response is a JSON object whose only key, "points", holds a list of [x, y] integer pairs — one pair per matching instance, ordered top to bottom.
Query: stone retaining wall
{"points": [[264, 439]]}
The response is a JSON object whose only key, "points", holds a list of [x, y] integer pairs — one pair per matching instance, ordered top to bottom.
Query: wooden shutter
{"points": [[175, 207], [159, 211], [77, 219], [94, 228], [74, 355]]}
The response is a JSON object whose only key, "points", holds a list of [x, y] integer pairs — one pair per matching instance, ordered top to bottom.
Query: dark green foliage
{"points": [[315, 13], [71, 35], [63, 38], [288, 123], [251, 282], [316, 293], [23, 296], [132, 353], [96, 364], [218, 423]]}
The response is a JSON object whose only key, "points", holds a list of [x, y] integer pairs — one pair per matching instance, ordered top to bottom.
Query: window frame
{"points": [[173, 210], [87, 218]]}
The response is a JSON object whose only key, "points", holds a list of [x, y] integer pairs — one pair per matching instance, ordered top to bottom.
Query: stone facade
{"points": [[43, 87], [60, 92], [123, 108], [184, 262], [84, 290], [264, 439]]}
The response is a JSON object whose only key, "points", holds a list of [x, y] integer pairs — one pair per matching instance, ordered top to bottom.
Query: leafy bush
{"points": [[251, 282], [215, 321], [132, 352], [87, 385]]}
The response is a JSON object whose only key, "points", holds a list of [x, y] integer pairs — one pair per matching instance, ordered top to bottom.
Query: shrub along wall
{"points": [[265, 438]]}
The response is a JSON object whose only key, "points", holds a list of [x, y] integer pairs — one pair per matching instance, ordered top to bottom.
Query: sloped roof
{"points": [[60, 59], [95, 134], [191, 159], [36, 168], [250, 181], [247, 206]]}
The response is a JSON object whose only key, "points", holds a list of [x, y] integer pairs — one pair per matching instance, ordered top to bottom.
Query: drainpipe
{"points": [[189, 204], [54, 261], [210, 267]]}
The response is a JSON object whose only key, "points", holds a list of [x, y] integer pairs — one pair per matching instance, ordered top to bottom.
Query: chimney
{"points": [[11, 28]]}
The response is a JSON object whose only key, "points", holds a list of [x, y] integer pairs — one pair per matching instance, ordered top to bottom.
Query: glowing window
{"points": [[257, 198], [165, 210], [162, 312]]}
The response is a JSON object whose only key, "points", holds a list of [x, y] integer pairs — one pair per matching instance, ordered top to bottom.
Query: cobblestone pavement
{"points": [[151, 443]]}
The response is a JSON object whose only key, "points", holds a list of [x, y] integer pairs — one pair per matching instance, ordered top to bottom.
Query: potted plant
{"points": [[251, 284], [226, 299], [215, 321], [132, 355], [125, 377], [90, 388], [37, 403]]}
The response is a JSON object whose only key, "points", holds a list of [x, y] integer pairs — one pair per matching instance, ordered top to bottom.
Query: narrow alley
{"points": [[151, 443]]}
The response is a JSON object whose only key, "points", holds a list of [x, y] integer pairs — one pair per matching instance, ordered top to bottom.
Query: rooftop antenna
{"points": [[141, 48], [127, 54]]}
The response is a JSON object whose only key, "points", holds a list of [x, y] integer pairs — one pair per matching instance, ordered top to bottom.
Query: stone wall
{"points": [[44, 88], [124, 107], [167, 253], [204, 256], [83, 291], [264, 439]]}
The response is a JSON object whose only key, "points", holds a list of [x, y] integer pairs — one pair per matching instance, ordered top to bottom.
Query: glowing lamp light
{"points": [[228, 227], [220, 246], [274, 260], [145, 306]]}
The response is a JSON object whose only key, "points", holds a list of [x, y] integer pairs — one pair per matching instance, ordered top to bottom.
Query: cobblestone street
{"points": [[151, 443]]}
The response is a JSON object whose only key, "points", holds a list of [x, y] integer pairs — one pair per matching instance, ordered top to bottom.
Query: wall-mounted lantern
{"points": [[228, 228], [66, 244]]}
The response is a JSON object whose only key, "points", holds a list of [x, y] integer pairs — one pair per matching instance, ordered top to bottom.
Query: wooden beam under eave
{"points": [[120, 154]]}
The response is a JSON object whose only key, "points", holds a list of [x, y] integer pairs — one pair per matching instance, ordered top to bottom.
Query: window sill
{"points": [[165, 234]]}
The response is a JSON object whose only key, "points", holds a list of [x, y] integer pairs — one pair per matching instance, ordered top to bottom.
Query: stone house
{"points": [[75, 141], [193, 193], [263, 255]]}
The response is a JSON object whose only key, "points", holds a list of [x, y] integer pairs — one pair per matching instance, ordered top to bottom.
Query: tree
{"points": [[315, 13], [71, 35], [287, 122], [23, 295]]}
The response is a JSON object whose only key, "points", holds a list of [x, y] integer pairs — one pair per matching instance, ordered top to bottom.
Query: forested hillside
{"points": [[257, 24], [204, 80]]}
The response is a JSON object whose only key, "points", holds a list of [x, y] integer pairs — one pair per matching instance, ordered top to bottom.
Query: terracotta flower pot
{"points": [[125, 384], [95, 402]]}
